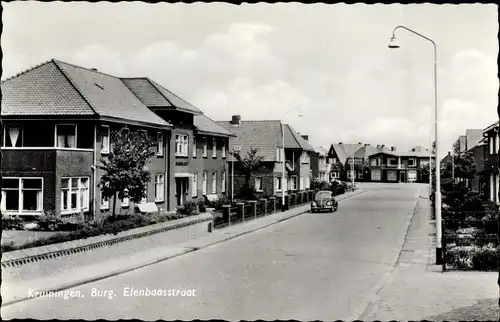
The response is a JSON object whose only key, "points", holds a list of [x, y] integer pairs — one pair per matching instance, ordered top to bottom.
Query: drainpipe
{"points": [[94, 174]]}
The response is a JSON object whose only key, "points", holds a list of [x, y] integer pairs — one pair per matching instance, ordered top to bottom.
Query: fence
{"points": [[248, 210], [459, 230]]}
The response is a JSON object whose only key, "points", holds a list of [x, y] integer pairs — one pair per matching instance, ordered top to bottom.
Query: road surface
{"points": [[318, 266]]}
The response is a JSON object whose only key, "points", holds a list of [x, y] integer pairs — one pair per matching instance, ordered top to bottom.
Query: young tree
{"points": [[249, 164], [125, 174]]}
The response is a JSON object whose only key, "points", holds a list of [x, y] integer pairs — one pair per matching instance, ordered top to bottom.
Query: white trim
{"points": [[55, 133], [159, 144], [194, 146], [205, 147], [214, 148], [223, 149], [106, 151], [279, 181], [214, 182], [223, 182], [194, 184], [204, 187], [257, 188], [159, 197], [20, 200], [104, 204], [79, 207]]}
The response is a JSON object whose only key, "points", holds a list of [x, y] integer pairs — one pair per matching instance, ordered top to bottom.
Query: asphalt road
{"points": [[313, 267]]}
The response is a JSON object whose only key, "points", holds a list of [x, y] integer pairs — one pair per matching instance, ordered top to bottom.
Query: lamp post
{"points": [[283, 158], [437, 193]]}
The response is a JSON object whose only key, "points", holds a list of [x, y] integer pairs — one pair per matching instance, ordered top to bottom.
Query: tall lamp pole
{"points": [[283, 158], [437, 192]]}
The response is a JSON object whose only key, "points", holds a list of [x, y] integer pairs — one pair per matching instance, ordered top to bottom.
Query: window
{"points": [[105, 134], [13, 136], [66, 136], [491, 144], [497, 144], [181, 145], [194, 146], [159, 147], [205, 147], [214, 148], [223, 149], [304, 157], [332, 160], [350, 161], [392, 161], [373, 162], [378, 162], [412, 162], [424, 163], [335, 175], [214, 182], [223, 182], [294, 182], [278, 183], [308, 183], [258, 184], [301, 185], [204, 186], [159, 187], [194, 191], [22, 195], [74, 195], [144, 198], [126, 199], [104, 200]]}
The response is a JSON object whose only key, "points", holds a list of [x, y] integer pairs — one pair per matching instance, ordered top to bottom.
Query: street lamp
{"points": [[283, 157], [437, 193]]}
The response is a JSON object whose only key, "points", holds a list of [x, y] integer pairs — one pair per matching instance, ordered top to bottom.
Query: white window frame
{"points": [[20, 135], [76, 135], [497, 143], [159, 144], [181, 145], [194, 146], [205, 147], [214, 148], [223, 149], [105, 150], [304, 157], [373, 162], [389, 162], [335, 174], [214, 182], [223, 182], [194, 183], [204, 183], [278, 183], [293, 183], [159, 187], [259, 188], [79, 189], [21, 197], [104, 201], [126, 201]]}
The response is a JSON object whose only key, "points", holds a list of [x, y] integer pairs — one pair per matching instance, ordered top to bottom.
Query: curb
{"points": [[123, 270]]}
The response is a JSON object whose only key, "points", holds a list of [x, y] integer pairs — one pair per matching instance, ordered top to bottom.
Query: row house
{"points": [[57, 123], [266, 137], [199, 144], [338, 155], [320, 166], [398, 167], [490, 170], [481, 180]]}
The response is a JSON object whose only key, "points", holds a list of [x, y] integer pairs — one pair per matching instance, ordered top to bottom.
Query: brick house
{"points": [[57, 119], [57, 122], [266, 137], [199, 144], [320, 166], [393, 166], [490, 171], [480, 181]]}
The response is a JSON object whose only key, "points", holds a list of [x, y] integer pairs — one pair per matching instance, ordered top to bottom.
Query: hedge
{"points": [[472, 257]]}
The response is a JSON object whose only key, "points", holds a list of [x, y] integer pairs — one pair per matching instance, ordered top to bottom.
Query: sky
{"points": [[329, 63]]}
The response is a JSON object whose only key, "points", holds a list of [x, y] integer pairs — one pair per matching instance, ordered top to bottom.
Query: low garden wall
{"points": [[192, 226]]}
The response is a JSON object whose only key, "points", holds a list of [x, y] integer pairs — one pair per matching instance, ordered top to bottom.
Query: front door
{"points": [[402, 177], [178, 191]]}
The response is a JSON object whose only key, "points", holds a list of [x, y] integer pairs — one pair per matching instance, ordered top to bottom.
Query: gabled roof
{"points": [[59, 88], [154, 95], [207, 126], [491, 127], [265, 136], [293, 140], [345, 150], [321, 151], [365, 151], [390, 153]]}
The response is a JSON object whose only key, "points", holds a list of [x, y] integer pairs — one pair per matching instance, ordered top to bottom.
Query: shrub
{"points": [[217, 204], [202, 207], [189, 208], [12, 223], [472, 257]]}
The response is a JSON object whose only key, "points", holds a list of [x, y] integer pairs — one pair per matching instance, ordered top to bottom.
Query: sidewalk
{"points": [[418, 290], [14, 291]]}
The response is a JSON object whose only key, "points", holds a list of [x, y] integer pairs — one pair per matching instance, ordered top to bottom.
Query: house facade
{"points": [[57, 124], [266, 137], [320, 166], [400, 167], [490, 171]]}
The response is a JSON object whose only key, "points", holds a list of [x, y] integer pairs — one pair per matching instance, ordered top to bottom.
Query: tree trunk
{"points": [[114, 206]]}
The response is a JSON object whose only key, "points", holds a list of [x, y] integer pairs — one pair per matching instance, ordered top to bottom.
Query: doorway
{"points": [[402, 176], [181, 187]]}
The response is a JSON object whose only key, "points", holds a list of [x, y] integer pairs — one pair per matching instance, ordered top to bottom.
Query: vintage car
{"points": [[324, 200]]}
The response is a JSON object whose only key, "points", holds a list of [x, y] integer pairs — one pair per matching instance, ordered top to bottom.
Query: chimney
{"points": [[94, 69], [236, 120], [305, 137], [340, 143], [360, 143], [367, 144], [393, 148], [413, 150], [449, 153]]}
